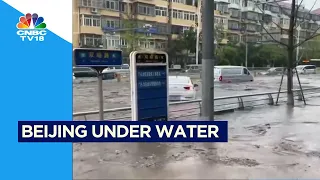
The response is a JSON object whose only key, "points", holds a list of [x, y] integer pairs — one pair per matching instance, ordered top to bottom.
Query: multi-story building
{"points": [[276, 22], [110, 23], [121, 23]]}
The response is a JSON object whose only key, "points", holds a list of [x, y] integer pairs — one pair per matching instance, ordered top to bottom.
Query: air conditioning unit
{"points": [[94, 10]]}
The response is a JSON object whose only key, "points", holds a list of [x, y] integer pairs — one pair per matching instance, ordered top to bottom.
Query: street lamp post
{"points": [[198, 32], [246, 52], [297, 52], [207, 110]]}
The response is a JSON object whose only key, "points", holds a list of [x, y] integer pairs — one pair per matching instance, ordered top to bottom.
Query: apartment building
{"points": [[276, 22], [102, 23], [115, 23]]}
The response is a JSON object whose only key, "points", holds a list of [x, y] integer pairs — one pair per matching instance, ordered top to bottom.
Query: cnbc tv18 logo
{"points": [[31, 28]]}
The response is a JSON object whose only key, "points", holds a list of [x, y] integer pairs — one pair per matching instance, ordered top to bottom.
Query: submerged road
{"points": [[117, 94], [268, 142]]}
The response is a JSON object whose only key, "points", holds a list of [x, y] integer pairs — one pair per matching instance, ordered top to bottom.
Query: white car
{"points": [[306, 69], [181, 88]]}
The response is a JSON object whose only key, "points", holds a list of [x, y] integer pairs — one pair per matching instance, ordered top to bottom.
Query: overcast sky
{"points": [[309, 3]]}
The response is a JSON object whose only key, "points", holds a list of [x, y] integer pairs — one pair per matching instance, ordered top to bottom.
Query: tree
{"points": [[296, 20], [218, 32], [130, 35], [184, 44], [311, 50], [272, 54], [228, 55]]}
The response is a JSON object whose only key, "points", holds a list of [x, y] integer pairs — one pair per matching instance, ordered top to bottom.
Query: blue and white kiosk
{"points": [[149, 86]]}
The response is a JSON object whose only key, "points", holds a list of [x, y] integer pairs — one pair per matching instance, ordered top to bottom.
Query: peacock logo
{"points": [[31, 27]]}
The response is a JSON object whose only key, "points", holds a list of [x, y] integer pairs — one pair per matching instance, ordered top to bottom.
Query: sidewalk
{"points": [[267, 142]]}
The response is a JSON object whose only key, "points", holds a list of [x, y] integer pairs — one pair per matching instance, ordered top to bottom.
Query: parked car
{"points": [[193, 68], [306, 69], [273, 71], [84, 72], [232, 74], [181, 88]]}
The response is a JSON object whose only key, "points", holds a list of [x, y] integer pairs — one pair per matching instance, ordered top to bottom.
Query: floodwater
{"points": [[117, 94], [267, 142], [270, 142]]}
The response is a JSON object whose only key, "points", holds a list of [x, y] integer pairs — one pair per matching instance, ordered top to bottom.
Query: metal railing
{"points": [[192, 109]]}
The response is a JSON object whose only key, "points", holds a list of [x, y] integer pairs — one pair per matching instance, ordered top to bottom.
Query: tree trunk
{"points": [[290, 99]]}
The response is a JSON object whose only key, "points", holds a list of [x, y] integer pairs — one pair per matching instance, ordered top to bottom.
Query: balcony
{"points": [[142, 1], [222, 1], [234, 6], [248, 8], [251, 9], [267, 12], [234, 28]]}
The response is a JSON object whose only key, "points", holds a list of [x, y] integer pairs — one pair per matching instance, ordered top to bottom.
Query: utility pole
{"points": [[198, 32], [298, 39], [246, 50], [207, 60]]}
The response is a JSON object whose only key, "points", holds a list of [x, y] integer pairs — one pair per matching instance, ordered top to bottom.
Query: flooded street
{"points": [[117, 94], [266, 142], [271, 142]]}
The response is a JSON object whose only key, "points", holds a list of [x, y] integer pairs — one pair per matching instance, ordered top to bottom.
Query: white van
{"points": [[231, 74]]}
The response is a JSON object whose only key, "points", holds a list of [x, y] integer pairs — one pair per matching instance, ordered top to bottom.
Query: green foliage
{"points": [[218, 32], [131, 36], [186, 41], [311, 49], [258, 55]]}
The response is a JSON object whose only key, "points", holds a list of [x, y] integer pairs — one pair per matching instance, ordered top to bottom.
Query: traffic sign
{"points": [[97, 57], [149, 86]]}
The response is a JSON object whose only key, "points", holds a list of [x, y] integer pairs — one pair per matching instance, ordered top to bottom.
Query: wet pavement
{"points": [[268, 142]]}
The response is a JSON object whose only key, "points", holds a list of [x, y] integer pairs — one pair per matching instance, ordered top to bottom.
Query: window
{"points": [[179, 1], [235, 2], [86, 3], [111, 5], [123, 7], [221, 7], [274, 9], [146, 10], [161, 11], [286, 11], [235, 13], [186, 15], [179, 16], [252, 16], [192, 17], [91, 20], [284, 21], [110, 23], [233, 25], [314, 26], [251, 27], [233, 38], [91, 40], [113, 41], [123, 42], [147, 44], [161, 45], [310, 67], [231, 71], [245, 71]]}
